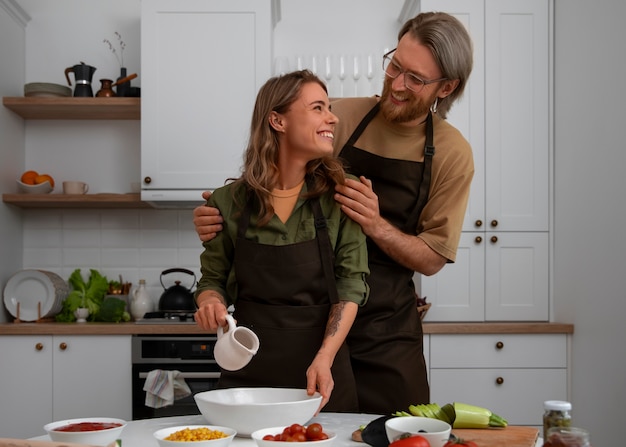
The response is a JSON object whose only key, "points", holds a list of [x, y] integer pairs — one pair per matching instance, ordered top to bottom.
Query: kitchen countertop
{"points": [[52, 328], [139, 433]]}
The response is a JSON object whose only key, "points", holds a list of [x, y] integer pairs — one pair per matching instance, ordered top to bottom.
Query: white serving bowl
{"points": [[41, 188], [250, 409], [436, 432], [163, 433], [94, 437], [260, 442]]}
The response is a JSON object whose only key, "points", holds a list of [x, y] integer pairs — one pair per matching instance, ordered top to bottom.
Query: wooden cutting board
{"points": [[511, 436]]}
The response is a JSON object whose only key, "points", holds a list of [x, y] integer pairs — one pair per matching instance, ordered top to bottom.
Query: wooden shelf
{"points": [[70, 108], [102, 201]]}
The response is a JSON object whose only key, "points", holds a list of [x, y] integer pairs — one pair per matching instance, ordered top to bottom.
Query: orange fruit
{"points": [[29, 177], [42, 178]]}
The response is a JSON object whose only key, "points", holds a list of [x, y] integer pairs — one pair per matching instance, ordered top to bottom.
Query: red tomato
{"points": [[314, 431], [269, 438], [411, 441], [458, 442]]}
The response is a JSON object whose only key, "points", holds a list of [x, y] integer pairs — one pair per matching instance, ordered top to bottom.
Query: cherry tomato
{"points": [[314, 431], [269, 438], [411, 441], [458, 442]]}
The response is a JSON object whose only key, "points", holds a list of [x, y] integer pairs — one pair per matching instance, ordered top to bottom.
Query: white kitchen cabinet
{"points": [[203, 62], [505, 114], [511, 374], [44, 378]]}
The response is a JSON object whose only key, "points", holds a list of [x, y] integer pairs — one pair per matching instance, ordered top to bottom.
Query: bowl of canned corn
{"points": [[196, 435]]}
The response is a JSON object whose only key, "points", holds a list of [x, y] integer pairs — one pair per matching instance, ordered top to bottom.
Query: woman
{"points": [[290, 261]]}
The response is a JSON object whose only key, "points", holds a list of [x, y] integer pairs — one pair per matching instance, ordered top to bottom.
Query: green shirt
{"points": [[347, 240]]}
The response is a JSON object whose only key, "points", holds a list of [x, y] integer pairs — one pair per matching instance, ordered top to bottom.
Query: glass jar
{"points": [[557, 414], [566, 437]]}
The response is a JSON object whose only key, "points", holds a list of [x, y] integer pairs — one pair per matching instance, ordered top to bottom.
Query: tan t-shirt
{"points": [[284, 200], [441, 220]]}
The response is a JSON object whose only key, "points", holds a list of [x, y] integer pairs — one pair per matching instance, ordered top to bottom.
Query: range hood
{"points": [[173, 198]]}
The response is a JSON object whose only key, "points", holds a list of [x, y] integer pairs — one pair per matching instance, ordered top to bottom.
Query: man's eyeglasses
{"points": [[411, 81]]}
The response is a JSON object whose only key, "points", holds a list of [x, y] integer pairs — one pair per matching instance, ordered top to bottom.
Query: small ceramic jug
{"points": [[140, 301], [236, 347]]}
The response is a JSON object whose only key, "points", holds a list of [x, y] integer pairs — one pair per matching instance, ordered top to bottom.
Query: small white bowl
{"points": [[41, 188], [436, 432], [163, 433], [93, 437], [260, 442]]}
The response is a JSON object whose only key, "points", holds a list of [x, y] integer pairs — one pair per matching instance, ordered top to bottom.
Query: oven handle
{"points": [[189, 375]]}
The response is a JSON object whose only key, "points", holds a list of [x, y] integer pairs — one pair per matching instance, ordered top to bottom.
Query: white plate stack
{"points": [[31, 295]]}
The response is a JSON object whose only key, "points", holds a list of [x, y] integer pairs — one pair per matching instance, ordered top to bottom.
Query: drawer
{"points": [[498, 351], [519, 398]]}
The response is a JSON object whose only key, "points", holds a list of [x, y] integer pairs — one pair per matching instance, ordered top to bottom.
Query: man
{"points": [[415, 172]]}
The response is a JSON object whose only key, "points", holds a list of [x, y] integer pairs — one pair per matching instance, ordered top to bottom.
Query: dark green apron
{"points": [[285, 298], [386, 340]]}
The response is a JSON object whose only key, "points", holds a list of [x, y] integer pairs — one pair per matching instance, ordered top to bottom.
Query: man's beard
{"points": [[412, 109]]}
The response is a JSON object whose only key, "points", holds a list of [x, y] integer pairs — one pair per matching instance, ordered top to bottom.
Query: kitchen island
{"points": [[139, 433]]}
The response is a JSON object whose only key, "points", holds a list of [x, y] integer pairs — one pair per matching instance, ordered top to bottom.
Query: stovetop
{"points": [[167, 317]]}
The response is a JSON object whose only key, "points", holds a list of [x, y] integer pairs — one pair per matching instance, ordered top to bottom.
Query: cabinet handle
{"points": [[147, 180], [478, 223], [494, 223], [478, 239], [494, 239], [499, 345], [39, 346], [62, 346], [499, 381]]}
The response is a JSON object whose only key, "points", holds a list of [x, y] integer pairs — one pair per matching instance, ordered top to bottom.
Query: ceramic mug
{"points": [[75, 188], [235, 347]]}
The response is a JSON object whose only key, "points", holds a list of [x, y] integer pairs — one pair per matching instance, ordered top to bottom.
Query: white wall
{"points": [[12, 22], [590, 207]]}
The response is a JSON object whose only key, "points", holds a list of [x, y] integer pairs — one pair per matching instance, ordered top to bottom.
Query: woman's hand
{"points": [[211, 312], [319, 378]]}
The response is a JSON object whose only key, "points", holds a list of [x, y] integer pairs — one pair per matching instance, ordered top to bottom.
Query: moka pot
{"points": [[83, 75]]}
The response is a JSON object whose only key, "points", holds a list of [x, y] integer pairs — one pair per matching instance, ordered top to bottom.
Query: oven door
{"points": [[198, 376]]}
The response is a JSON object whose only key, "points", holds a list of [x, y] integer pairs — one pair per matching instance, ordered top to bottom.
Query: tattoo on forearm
{"points": [[334, 318]]}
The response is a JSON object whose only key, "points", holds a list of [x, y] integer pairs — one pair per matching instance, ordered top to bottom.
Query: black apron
{"points": [[284, 296], [386, 340]]}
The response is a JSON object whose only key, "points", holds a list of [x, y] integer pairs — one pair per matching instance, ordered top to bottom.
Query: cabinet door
{"points": [[202, 64], [468, 112], [517, 114], [517, 277], [457, 292], [92, 376], [25, 385], [515, 394]]}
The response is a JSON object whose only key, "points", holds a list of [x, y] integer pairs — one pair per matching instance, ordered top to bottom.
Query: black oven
{"points": [[191, 355]]}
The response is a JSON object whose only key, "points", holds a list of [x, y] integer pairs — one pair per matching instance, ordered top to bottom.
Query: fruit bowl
{"points": [[40, 188], [258, 436]]}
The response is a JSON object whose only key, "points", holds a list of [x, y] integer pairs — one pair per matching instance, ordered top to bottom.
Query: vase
{"points": [[123, 89]]}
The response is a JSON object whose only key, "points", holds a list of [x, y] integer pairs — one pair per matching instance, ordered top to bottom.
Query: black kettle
{"points": [[177, 298]]}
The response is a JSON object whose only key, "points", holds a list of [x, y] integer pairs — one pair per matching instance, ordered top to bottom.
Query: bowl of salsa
{"points": [[94, 431]]}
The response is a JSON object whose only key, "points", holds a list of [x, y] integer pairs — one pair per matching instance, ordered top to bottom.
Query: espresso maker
{"points": [[83, 75]]}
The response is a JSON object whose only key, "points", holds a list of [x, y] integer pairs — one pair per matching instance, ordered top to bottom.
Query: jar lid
{"points": [[557, 405]]}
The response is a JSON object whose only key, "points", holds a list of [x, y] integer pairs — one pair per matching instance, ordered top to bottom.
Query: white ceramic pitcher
{"points": [[236, 347]]}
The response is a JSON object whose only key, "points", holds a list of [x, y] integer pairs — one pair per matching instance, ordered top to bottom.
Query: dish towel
{"points": [[163, 387]]}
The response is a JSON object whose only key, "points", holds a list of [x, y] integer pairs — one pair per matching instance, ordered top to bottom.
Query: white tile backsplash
{"points": [[137, 244]]}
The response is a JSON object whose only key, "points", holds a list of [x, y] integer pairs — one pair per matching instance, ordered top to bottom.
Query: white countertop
{"points": [[139, 433]]}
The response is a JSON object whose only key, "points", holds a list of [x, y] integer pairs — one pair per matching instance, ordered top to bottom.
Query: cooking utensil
{"points": [[83, 75], [126, 79], [177, 298]]}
